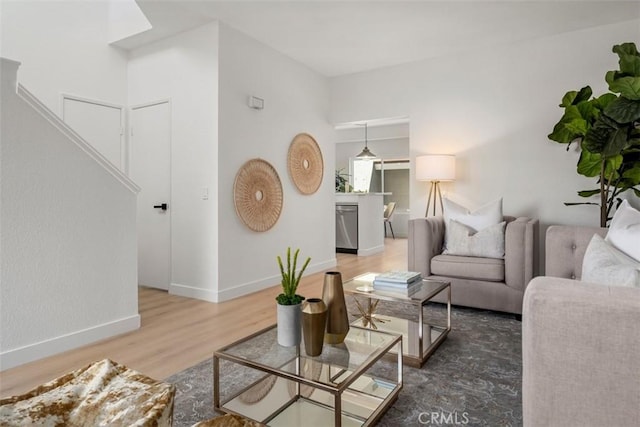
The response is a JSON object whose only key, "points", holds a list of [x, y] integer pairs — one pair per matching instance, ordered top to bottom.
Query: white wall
{"points": [[63, 48], [184, 69], [296, 100], [493, 109], [68, 242]]}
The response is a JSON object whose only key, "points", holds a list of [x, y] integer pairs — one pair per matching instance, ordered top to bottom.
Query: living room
{"points": [[490, 103]]}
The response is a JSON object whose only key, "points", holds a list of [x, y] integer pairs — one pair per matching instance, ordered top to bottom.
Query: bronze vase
{"points": [[337, 317], [314, 319]]}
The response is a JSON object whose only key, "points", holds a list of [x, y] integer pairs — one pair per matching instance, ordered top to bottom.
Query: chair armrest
{"points": [[426, 236], [565, 246], [520, 252], [580, 347]]}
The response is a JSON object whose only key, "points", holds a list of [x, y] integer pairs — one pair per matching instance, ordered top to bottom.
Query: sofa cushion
{"points": [[465, 241], [606, 265], [489, 269]]}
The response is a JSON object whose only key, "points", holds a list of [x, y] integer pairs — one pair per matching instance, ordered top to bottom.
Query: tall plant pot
{"points": [[337, 317], [314, 320], [289, 324]]}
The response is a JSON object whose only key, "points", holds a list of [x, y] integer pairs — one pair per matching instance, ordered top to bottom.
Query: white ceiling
{"points": [[343, 37]]}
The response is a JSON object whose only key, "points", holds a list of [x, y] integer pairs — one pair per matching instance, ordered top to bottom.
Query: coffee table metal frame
{"points": [[419, 299], [336, 389]]}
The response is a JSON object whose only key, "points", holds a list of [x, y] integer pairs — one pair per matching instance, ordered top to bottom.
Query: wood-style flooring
{"points": [[179, 332]]}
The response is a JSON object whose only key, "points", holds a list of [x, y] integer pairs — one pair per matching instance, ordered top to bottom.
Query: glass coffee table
{"points": [[418, 342], [348, 384]]}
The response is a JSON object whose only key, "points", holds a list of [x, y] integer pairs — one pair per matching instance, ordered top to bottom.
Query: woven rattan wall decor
{"points": [[305, 163], [257, 195]]}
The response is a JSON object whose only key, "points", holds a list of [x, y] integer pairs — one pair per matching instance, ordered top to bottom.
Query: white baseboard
{"points": [[370, 251], [240, 290], [193, 292], [19, 356]]}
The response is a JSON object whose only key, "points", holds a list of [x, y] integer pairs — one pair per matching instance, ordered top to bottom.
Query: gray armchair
{"points": [[494, 284], [580, 342]]}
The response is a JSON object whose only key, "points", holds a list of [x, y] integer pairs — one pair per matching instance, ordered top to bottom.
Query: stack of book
{"points": [[397, 281]]}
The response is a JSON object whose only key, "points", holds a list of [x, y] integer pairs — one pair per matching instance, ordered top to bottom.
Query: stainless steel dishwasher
{"points": [[347, 228]]}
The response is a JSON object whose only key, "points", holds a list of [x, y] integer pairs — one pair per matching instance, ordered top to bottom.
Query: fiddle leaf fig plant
{"points": [[607, 128], [291, 280]]}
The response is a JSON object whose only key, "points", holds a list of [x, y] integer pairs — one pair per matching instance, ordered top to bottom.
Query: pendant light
{"points": [[366, 154]]}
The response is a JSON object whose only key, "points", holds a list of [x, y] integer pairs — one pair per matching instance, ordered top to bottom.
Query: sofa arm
{"points": [[426, 237], [565, 246], [520, 252], [580, 347]]}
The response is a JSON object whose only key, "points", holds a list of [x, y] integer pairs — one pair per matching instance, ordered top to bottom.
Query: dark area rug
{"points": [[473, 378]]}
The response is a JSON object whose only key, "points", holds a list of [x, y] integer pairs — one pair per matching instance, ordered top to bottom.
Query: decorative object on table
{"points": [[606, 130], [365, 153], [305, 163], [435, 168], [257, 195], [397, 279], [289, 303], [368, 314], [337, 316], [314, 321]]}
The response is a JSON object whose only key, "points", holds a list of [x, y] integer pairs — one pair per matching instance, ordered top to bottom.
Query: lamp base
{"points": [[434, 191]]}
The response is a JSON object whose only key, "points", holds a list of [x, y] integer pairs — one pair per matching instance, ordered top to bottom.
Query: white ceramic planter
{"points": [[289, 324]]}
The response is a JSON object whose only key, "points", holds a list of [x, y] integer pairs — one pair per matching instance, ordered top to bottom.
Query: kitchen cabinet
{"points": [[370, 222]]}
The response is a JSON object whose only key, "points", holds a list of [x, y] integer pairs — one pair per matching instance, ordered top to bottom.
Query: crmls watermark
{"points": [[443, 418]]}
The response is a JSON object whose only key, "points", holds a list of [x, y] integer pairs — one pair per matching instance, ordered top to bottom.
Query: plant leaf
{"points": [[628, 48], [630, 65], [628, 86], [573, 97], [568, 98], [602, 101], [623, 110], [565, 130], [616, 143], [589, 163], [612, 165], [633, 175], [636, 191], [588, 193], [580, 203]]}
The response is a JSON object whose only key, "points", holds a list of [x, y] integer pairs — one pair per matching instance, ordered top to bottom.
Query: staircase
{"points": [[68, 266]]}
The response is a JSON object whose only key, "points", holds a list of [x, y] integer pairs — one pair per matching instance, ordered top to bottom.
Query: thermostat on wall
{"points": [[256, 103]]}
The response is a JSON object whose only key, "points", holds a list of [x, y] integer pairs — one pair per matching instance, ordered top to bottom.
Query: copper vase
{"points": [[337, 317], [314, 320]]}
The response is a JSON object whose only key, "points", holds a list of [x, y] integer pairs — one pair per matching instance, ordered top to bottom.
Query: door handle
{"points": [[162, 206]]}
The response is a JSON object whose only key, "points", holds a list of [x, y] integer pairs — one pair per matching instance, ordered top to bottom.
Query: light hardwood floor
{"points": [[178, 332]]}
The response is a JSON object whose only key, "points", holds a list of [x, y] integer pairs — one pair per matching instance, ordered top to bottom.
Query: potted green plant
{"points": [[608, 131], [342, 183], [289, 302]]}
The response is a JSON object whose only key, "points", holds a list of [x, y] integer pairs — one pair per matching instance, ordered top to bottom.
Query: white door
{"points": [[98, 123], [150, 169]]}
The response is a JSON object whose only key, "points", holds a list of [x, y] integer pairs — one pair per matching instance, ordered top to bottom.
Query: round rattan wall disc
{"points": [[305, 163], [257, 195]]}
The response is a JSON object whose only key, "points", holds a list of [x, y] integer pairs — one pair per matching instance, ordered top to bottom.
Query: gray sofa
{"points": [[494, 284], [580, 342]]}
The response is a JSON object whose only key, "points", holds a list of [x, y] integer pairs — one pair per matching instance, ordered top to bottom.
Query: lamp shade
{"points": [[436, 167]]}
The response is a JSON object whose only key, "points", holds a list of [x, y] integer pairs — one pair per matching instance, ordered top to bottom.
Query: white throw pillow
{"points": [[483, 217], [624, 231], [465, 241], [606, 265]]}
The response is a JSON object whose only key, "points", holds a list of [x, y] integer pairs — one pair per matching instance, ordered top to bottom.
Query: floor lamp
{"points": [[435, 168]]}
